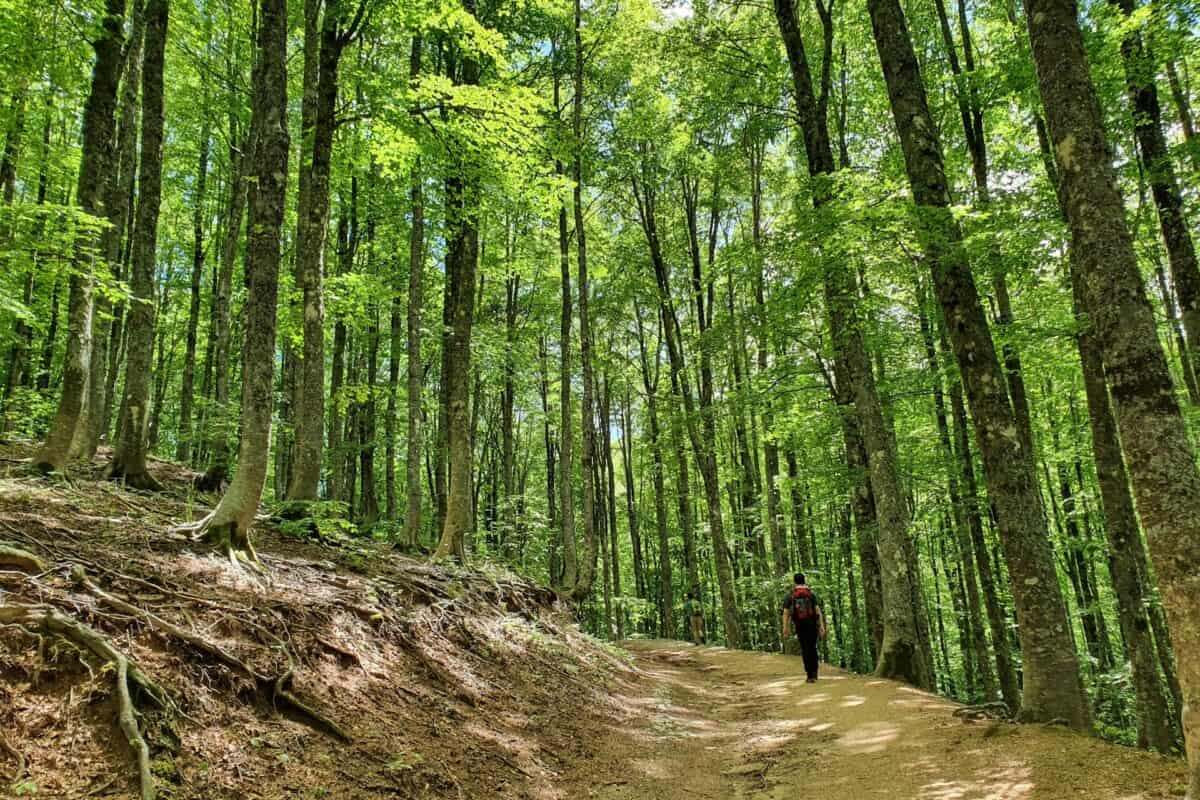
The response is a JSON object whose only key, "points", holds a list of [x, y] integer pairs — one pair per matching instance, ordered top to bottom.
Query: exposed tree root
{"points": [[141, 480], [228, 537], [21, 559], [49, 620], [276, 689], [281, 692], [17, 756]]}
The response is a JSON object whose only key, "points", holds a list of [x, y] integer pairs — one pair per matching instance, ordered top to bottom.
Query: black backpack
{"points": [[804, 604]]}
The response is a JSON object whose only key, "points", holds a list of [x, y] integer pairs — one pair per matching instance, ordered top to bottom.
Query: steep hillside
{"points": [[338, 671]]}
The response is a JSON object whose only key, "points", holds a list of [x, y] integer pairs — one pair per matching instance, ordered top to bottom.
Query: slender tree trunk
{"points": [[1140, 86], [1184, 108], [318, 110], [98, 127], [118, 202], [463, 203], [119, 237], [512, 286], [416, 291], [47, 357], [1186, 365], [650, 382], [219, 418], [606, 422], [566, 447], [1157, 450], [183, 451], [129, 460], [228, 526], [962, 535], [900, 655], [1053, 689]]}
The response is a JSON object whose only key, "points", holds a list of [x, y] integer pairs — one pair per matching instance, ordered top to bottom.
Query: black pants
{"points": [[806, 632]]}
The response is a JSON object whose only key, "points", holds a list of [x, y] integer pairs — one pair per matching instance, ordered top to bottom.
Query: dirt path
{"points": [[713, 723]]}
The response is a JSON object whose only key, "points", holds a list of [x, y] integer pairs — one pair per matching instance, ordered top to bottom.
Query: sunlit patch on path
{"points": [[711, 723]]}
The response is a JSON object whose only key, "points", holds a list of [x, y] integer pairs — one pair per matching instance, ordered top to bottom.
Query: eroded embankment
{"points": [[336, 672]]}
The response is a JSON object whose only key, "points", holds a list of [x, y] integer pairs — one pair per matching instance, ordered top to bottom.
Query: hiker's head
{"points": [[799, 579]]}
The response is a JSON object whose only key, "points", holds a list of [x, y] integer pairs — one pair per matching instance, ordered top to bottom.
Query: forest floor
{"points": [[342, 669], [715, 723]]}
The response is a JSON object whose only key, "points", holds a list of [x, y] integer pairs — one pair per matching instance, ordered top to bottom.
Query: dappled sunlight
{"points": [[816, 699], [852, 700], [871, 737], [1010, 782]]}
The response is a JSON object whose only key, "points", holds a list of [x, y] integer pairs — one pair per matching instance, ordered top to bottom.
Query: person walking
{"points": [[802, 611]]}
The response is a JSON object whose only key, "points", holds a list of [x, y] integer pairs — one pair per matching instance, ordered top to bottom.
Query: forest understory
{"points": [[348, 670]]}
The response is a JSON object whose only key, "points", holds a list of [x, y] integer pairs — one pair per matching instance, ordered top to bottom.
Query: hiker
{"points": [[802, 610], [695, 615]]}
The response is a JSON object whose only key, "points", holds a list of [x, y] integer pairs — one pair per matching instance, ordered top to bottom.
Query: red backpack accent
{"points": [[804, 606]]}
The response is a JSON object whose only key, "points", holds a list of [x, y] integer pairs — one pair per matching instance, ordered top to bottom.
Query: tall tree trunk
{"points": [[322, 54], [1140, 86], [1184, 107], [98, 127], [118, 202], [463, 205], [119, 237], [512, 285], [416, 289], [650, 382], [219, 418], [606, 422], [703, 442], [566, 446], [183, 450], [1158, 453], [587, 454], [129, 460], [631, 510], [228, 526], [775, 527], [962, 535], [900, 655], [1006, 672], [1053, 688]]}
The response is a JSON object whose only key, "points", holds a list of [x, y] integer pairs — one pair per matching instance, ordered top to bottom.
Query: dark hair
{"points": [[798, 578]]}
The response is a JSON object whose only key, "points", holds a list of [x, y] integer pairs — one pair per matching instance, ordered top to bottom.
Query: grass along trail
{"points": [[715, 723]]}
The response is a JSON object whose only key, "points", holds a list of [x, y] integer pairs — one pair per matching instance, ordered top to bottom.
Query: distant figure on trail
{"points": [[802, 610], [695, 615]]}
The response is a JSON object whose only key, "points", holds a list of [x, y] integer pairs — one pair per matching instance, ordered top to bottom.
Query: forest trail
{"points": [[716, 723]]}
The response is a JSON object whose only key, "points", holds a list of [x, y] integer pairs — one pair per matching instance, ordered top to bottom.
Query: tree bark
{"points": [[322, 54], [1142, 91], [98, 127], [462, 212], [219, 420], [183, 451], [587, 453], [1158, 453], [129, 460], [959, 525], [228, 526], [900, 653], [1053, 688]]}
